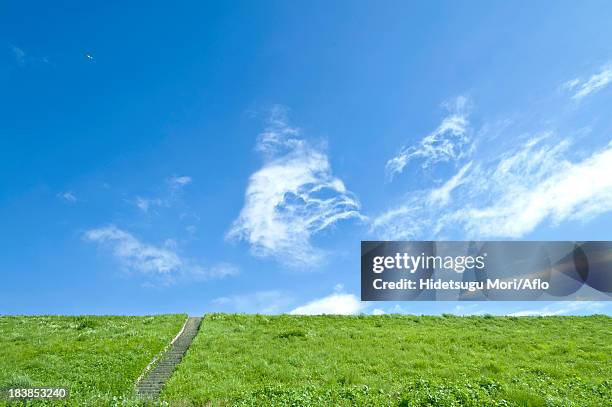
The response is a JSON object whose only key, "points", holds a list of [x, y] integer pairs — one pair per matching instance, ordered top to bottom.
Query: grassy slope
{"points": [[95, 357], [406, 360]]}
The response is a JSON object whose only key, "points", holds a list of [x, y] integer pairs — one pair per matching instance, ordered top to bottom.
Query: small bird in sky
{"points": [[89, 57]]}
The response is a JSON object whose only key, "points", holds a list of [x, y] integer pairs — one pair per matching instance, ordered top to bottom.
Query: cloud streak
{"points": [[20, 55], [22, 58], [595, 83], [450, 141], [178, 182], [502, 188], [171, 194], [67, 196], [507, 196], [291, 198], [145, 203], [162, 263]]}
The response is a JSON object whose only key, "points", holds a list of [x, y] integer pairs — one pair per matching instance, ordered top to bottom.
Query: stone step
{"points": [[151, 385]]}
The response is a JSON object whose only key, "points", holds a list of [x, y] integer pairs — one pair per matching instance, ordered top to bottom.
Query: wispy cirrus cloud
{"points": [[19, 54], [22, 58], [582, 88], [279, 137], [450, 141], [537, 178], [177, 182], [538, 182], [168, 195], [508, 195], [67, 196], [291, 198], [145, 203], [161, 263]]}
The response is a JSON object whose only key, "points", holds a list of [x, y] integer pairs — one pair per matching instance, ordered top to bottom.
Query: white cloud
{"points": [[20, 55], [22, 58], [571, 84], [593, 84], [279, 137], [450, 141], [537, 179], [179, 182], [536, 184], [442, 194], [67, 196], [170, 196], [508, 196], [291, 198], [145, 203], [135, 255], [162, 262], [223, 269], [262, 302], [337, 303], [563, 308], [378, 311]]}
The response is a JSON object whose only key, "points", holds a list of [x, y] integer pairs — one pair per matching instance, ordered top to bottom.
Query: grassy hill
{"points": [[96, 358], [321, 360], [397, 360]]}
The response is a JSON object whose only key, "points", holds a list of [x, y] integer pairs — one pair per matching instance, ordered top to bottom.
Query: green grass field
{"points": [[96, 358], [325, 360], [397, 360]]}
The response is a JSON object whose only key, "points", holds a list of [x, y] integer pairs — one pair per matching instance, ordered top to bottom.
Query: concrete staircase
{"points": [[153, 381]]}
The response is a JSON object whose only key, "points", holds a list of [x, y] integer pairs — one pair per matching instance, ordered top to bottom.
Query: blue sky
{"points": [[210, 156]]}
